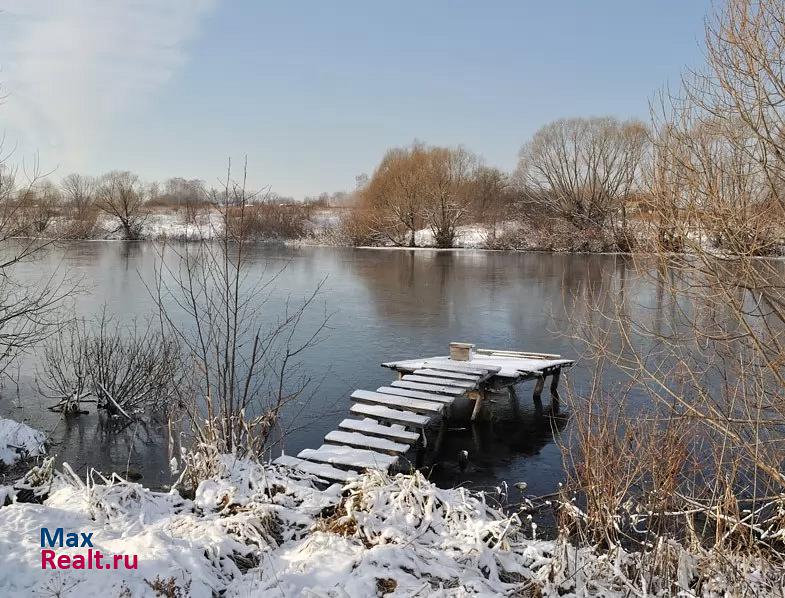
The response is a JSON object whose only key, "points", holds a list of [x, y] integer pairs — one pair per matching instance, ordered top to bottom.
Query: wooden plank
{"points": [[525, 354], [443, 363], [449, 366], [461, 367], [451, 375], [437, 380], [450, 390], [416, 394], [397, 402], [393, 415], [371, 427], [366, 442], [348, 457], [320, 470]]}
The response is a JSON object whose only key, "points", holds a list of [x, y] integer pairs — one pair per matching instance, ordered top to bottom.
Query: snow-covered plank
{"points": [[524, 354], [443, 364], [448, 365], [503, 365], [507, 366], [451, 375], [437, 380], [450, 390], [416, 394], [397, 402], [406, 418], [373, 428], [367, 442], [348, 457], [320, 470]]}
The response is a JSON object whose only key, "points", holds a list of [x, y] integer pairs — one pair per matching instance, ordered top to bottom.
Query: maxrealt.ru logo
{"points": [[93, 559]]}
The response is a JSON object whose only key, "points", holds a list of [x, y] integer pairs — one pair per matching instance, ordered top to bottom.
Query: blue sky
{"points": [[315, 92]]}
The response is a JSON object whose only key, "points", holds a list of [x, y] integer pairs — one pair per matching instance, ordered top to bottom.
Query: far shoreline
{"points": [[300, 243]]}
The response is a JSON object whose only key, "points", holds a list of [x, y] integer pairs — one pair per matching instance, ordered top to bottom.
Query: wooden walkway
{"points": [[387, 422]]}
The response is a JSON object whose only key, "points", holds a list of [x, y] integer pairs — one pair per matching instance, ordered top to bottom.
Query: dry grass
{"points": [[552, 234]]}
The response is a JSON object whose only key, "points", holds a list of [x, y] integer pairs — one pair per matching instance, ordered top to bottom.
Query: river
{"points": [[384, 305]]}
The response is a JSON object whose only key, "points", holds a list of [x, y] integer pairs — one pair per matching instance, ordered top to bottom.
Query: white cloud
{"points": [[73, 67]]}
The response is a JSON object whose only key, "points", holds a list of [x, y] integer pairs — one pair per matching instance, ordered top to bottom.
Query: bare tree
{"points": [[745, 81], [719, 142], [585, 169], [706, 187], [78, 190], [446, 191], [79, 195], [120, 195], [189, 195], [492, 197], [665, 198], [18, 199], [38, 205], [29, 311], [244, 366], [715, 372]]}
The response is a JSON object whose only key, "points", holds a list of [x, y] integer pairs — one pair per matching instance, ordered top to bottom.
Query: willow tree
{"points": [[419, 186], [447, 191], [121, 195], [394, 195]]}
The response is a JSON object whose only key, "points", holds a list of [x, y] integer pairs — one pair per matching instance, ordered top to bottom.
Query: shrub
{"points": [[269, 220]]}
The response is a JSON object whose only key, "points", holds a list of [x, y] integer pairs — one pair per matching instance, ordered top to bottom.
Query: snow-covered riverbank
{"points": [[324, 227], [254, 530]]}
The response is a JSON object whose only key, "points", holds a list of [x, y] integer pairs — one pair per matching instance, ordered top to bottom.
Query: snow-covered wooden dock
{"points": [[387, 422]]}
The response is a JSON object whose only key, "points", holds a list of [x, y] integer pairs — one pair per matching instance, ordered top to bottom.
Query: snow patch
{"points": [[473, 236], [18, 440]]}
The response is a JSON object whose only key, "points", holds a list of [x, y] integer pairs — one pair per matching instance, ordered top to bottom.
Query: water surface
{"points": [[384, 305]]}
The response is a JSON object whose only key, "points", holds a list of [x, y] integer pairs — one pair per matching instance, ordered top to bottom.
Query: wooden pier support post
{"points": [[555, 383], [538, 390], [555, 391], [514, 401], [478, 404], [476, 438], [420, 448], [437, 449]]}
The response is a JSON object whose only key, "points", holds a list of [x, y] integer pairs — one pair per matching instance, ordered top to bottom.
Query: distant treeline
{"points": [[75, 208]]}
